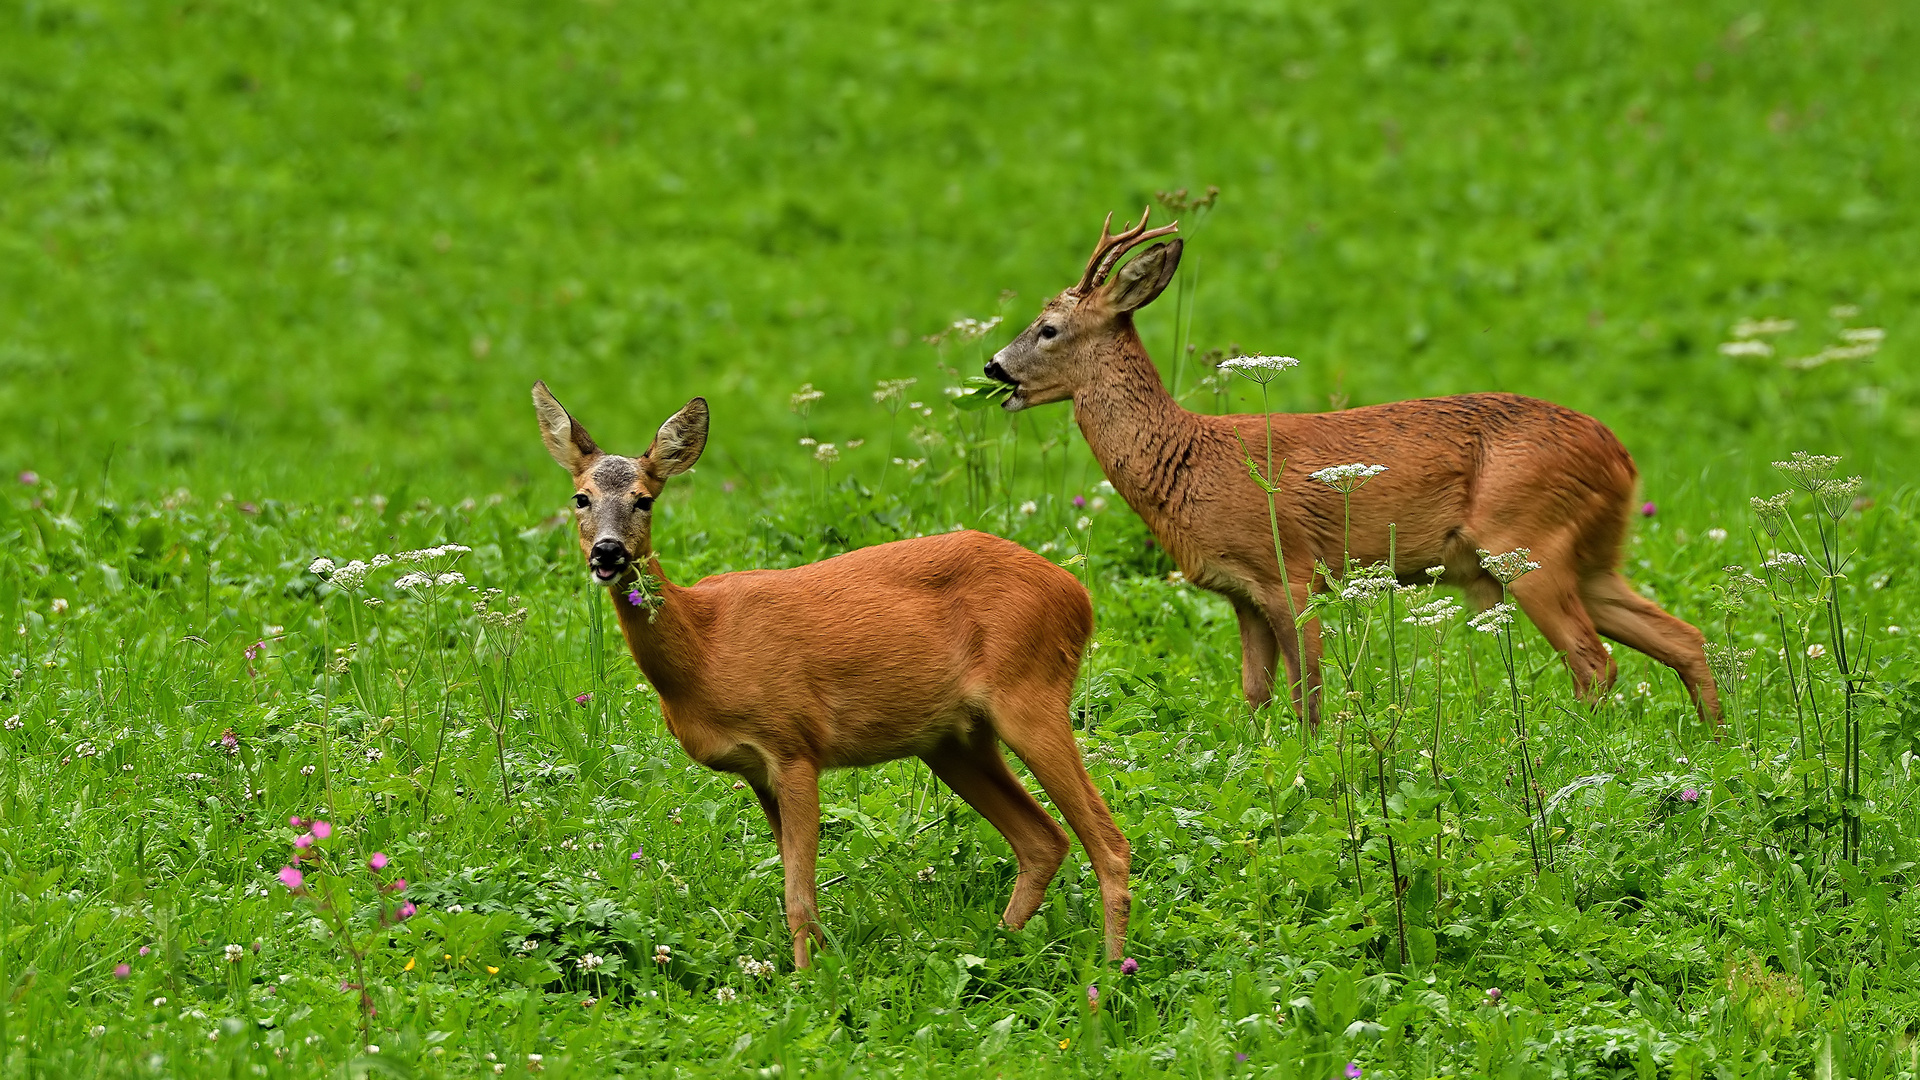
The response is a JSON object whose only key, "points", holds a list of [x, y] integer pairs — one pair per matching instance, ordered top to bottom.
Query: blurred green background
{"points": [[301, 250]]}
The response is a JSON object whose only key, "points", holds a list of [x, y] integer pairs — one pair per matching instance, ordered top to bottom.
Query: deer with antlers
{"points": [[1474, 472], [939, 648]]}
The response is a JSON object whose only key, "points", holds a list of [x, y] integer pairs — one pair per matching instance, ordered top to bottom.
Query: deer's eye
{"points": [[1049, 332], [580, 500], [643, 503]]}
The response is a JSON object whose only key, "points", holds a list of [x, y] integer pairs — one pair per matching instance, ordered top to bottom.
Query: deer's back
{"points": [[903, 631]]}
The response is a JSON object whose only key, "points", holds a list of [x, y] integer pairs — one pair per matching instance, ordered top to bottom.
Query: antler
{"points": [[1110, 249]]}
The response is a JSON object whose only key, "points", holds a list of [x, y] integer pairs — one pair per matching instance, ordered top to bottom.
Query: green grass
{"points": [[274, 282]]}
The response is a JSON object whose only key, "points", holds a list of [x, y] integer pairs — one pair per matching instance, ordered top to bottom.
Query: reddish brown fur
{"points": [[1478, 471], [938, 648]]}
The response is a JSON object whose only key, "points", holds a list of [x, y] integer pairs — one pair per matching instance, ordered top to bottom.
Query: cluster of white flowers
{"points": [[1750, 328], [973, 329], [1745, 348], [1260, 369], [891, 392], [803, 399], [826, 454], [1807, 470], [1347, 479], [1718, 536], [429, 554], [1781, 560], [321, 566], [1509, 567], [350, 576], [451, 577], [415, 580], [1368, 584], [1434, 613], [1493, 620], [925, 874], [236, 953], [663, 954], [590, 961], [754, 969], [725, 995]]}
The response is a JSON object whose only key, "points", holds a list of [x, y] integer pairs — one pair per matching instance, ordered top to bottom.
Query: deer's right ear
{"points": [[566, 440], [680, 441]]}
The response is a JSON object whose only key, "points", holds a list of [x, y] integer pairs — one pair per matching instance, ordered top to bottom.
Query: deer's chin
{"points": [[1014, 404], [604, 576]]}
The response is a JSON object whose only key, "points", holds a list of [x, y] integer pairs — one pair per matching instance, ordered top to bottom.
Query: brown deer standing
{"points": [[1477, 471], [938, 648]]}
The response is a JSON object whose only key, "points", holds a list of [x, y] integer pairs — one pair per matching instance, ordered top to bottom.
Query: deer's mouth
{"points": [[1016, 400]]}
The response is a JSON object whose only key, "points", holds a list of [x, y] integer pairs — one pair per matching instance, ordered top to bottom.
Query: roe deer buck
{"points": [[1477, 471], [938, 648]]}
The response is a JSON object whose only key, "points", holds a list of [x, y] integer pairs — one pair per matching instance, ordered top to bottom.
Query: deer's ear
{"points": [[1138, 282], [566, 440], [680, 441]]}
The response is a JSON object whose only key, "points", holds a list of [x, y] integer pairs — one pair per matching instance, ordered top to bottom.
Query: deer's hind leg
{"points": [[1551, 598], [1639, 623], [1033, 721], [973, 768], [797, 800]]}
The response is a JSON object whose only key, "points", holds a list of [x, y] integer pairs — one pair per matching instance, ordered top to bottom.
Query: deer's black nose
{"points": [[998, 373], [610, 554]]}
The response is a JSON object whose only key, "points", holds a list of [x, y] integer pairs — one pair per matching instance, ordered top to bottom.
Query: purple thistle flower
{"points": [[1648, 509], [583, 699], [1691, 795], [1129, 966], [122, 971]]}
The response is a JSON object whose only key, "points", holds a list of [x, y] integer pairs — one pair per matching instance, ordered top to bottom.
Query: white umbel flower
{"points": [[1260, 369], [1493, 620]]}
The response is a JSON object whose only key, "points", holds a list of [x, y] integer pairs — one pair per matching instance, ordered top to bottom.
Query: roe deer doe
{"points": [[1477, 471], [938, 648]]}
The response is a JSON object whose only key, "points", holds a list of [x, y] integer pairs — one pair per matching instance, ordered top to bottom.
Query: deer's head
{"points": [[1066, 346], [613, 495]]}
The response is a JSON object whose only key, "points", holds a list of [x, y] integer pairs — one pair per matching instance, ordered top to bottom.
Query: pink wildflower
{"points": [[29, 477], [1079, 502], [1648, 509], [636, 598], [583, 699], [1691, 795], [295, 821], [322, 829], [303, 841], [637, 856], [378, 862], [292, 878], [399, 885], [407, 910], [144, 950], [1129, 966], [122, 971], [1493, 994], [1093, 996], [1353, 1070]]}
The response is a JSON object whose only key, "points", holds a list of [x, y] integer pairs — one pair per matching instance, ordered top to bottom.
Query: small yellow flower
{"points": [[446, 956], [409, 966], [491, 970], [1064, 1042]]}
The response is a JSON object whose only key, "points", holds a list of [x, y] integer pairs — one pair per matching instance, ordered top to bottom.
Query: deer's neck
{"points": [[1145, 442], [664, 631]]}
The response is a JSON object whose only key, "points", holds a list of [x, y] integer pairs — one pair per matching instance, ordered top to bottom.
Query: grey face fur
{"points": [[613, 495]]}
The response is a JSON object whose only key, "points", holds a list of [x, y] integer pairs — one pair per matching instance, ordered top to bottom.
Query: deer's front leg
{"points": [[1258, 649], [797, 791]]}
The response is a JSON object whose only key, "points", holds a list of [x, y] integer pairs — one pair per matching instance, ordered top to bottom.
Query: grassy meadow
{"points": [[275, 280]]}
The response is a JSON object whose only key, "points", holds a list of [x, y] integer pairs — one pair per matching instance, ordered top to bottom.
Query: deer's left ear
{"points": [[1143, 279], [679, 442]]}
